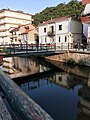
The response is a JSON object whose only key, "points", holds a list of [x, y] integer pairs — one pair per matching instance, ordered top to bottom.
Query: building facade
{"points": [[10, 19], [86, 19], [60, 30], [27, 33]]}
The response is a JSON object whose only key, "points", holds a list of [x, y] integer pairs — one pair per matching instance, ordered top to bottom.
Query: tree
{"points": [[74, 9]]}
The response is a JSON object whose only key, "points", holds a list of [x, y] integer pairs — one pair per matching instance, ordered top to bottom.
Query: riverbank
{"points": [[75, 57]]}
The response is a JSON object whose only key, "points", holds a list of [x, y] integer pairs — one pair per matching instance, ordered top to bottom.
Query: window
{"points": [[60, 27], [52, 28], [44, 29], [14, 33], [25, 37], [15, 39], [59, 39], [65, 39], [45, 40]]}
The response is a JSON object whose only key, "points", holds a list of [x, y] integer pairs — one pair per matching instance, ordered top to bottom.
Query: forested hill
{"points": [[74, 8]]}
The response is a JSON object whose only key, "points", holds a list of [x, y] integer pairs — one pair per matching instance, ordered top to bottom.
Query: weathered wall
{"points": [[77, 56]]}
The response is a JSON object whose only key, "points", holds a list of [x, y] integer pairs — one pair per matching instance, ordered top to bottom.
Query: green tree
{"points": [[73, 8]]}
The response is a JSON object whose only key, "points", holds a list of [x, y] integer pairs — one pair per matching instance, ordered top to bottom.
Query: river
{"points": [[63, 92]]}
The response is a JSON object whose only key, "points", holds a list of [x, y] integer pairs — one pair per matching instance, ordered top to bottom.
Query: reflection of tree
{"points": [[73, 80]]}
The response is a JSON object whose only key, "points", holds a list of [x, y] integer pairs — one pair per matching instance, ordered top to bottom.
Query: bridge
{"points": [[36, 49], [9, 87]]}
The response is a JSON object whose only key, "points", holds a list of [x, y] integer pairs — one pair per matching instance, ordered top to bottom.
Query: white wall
{"points": [[17, 15], [12, 19], [64, 27], [41, 30], [72, 30], [43, 35]]}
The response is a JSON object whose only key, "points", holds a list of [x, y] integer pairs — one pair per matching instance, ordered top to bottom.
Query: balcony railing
{"points": [[51, 33], [13, 36]]}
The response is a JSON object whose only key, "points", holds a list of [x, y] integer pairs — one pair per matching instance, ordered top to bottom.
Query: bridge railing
{"points": [[9, 48]]}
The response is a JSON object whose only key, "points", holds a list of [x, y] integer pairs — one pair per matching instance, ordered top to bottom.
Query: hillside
{"points": [[74, 8]]}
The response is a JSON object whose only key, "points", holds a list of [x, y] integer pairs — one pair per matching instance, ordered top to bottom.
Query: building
{"points": [[10, 19], [86, 19], [60, 30], [27, 33]]}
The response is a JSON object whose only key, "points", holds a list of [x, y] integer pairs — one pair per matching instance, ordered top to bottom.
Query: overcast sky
{"points": [[30, 6]]}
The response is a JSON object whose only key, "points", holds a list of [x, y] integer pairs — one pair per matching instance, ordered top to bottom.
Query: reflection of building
{"points": [[9, 19], [60, 30], [22, 66], [60, 79], [67, 80]]}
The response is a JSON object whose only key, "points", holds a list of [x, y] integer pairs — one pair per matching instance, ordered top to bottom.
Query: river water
{"points": [[62, 92]]}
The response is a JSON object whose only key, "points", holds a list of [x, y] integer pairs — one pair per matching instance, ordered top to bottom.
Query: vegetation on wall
{"points": [[73, 8]]}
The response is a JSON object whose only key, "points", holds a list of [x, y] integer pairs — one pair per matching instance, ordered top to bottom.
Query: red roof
{"points": [[85, 2], [85, 19], [54, 20], [15, 29], [26, 31]]}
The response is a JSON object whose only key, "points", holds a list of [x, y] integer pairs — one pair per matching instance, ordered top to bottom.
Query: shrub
{"points": [[71, 61]]}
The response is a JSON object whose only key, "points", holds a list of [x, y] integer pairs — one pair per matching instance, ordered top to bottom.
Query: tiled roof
{"points": [[54, 20], [26, 31]]}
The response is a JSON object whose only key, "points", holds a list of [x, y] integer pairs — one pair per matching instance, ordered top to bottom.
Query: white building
{"points": [[10, 19], [86, 19], [62, 30]]}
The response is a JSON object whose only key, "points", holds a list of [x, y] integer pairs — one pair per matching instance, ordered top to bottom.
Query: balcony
{"points": [[85, 2], [51, 33], [13, 36]]}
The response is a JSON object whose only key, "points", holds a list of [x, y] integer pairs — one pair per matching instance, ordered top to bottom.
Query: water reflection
{"points": [[23, 66], [81, 75], [58, 93], [64, 93]]}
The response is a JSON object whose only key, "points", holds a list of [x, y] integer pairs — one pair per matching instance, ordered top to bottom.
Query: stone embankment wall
{"points": [[77, 56]]}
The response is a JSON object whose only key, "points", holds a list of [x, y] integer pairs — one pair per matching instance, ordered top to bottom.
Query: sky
{"points": [[30, 6]]}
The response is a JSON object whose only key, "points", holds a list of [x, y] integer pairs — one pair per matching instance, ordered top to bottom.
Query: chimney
{"points": [[51, 19]]}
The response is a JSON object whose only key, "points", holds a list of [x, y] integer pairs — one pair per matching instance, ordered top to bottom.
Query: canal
{"points": [[62, 94]]}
